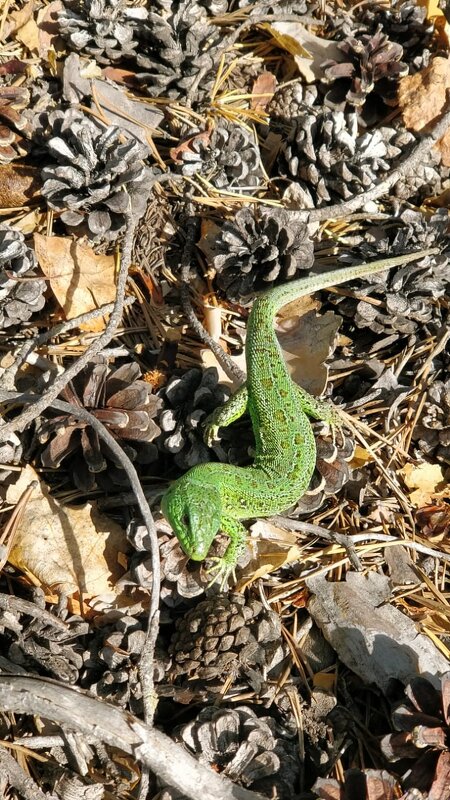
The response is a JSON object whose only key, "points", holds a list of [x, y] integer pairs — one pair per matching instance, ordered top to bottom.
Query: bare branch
{"points": [[76, 710]]}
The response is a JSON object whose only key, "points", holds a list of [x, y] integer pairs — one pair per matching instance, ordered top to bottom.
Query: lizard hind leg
{"points": [[224, 415]]}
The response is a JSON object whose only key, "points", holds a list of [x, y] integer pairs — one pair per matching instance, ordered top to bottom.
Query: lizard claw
{"points": [[210, 434], [221, 571]]}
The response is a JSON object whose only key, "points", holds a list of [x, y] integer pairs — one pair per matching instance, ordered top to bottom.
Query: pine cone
{"points": [[405, 22], [104, 29], [173, 48], [370, 63], [289, 100], [14, 125], [230, 160], [331, 162], [96, 177], [256, 250], [407, 293], [18, 299], [188, 399], [124, 404], [432, 432], [332, 470], [181, 578], [223, 637], [114, 651], [423, 744], [250, 750], [360, 785]]}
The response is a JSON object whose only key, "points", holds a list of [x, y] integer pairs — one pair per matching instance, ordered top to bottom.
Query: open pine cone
{"points": [[104, 29], [98, 175], [256, 250], [124, 404], [423, 744]]}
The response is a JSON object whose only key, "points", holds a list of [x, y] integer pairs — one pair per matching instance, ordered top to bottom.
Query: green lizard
{"points": [[215, 497]]}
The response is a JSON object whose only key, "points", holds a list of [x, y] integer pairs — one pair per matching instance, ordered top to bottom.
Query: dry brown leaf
{"points": [[17, 19], [48, 28], [309, 51], [263, 89], [422, 98], [185, 145], [18, 185], [81, 280], [306, 342], [426, 480], [275, 548], [69, 550]]}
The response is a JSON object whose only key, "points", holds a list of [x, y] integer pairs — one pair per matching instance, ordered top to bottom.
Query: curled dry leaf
{"points": [[422, 98], [80, 279], [68, 550]]}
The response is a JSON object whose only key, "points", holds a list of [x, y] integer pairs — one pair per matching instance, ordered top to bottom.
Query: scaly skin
{"points": [[215, 497]]}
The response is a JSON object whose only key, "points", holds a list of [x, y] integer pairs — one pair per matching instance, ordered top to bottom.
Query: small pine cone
{"points": [[405, 22], [104, 29], [173, 47], [369, 63], [290, 99], [230, 160], [331, 162], [96, 177], [256, 250], [19, 299], [188, 399], [124, 404], [432, 432], [332, 470], [181, 578], [224, 636], [115, 650], [250, 750]]}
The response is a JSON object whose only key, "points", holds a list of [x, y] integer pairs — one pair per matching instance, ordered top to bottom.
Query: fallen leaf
{"points": [[17, 19], [48, 28], [28, 34], [309, 51], [262, 91], [422, 98], [139, 118], [185, 146], [18, 185], [80, 279], [307, 341], [208, 359], [427, 480], [275, 548], [68, 550]]}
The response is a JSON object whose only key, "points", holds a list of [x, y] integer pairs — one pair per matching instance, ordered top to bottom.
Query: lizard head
{"points": [[194, 512]]}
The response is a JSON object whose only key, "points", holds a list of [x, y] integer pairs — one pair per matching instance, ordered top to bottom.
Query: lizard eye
{"points": [[185, 520]]}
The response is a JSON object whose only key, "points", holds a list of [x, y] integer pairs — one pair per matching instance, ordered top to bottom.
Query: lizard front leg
{"points": [[224, 415], [226, 565]]}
